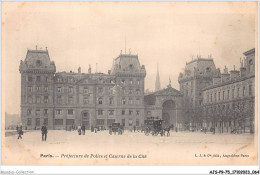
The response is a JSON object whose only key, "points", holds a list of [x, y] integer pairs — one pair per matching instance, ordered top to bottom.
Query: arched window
{"points": [[100, 101], [123, 101]]}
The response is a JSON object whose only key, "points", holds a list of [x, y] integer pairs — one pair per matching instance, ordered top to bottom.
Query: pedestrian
{"points": [[83, 128], [134, 128], [79, 130], [20, 132], [44, 132]]}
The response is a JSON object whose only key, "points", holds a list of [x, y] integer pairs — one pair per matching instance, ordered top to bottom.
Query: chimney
{"points": [[89, 69], [79, 70], [242, 71], [234, 74], [225, 77], [216, 80]]}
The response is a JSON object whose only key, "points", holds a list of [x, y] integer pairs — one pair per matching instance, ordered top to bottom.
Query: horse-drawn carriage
{"points": [[153, 126], [156, 126], [116, 128]]}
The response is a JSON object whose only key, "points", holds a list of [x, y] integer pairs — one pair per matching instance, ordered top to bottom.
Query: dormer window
{"points": [[38, 63], [208, 69]]}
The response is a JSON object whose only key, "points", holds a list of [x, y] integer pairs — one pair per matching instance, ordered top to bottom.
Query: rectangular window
{"points": [[38, 78], [30, 79], [46, 79], [138, 82], [37, 88], [30, 89], [46, 89], [59, 89], [70, 89], [85, 90], [100, 90], [250, 90], [130, 91], [137, 91], [244, 91], [237, 92], [233, 93], [228, 94], [223, 95], [215, 96], [219, 96], [210, 97], [46, 99], [30, 100], [59, 100], [85, 100], [111, 100], [70, 101], [123, 101], [130, 101], [137, 101], [45, 111], [58, 111], [70, 111], [29, 112], [37, 112], [100, 112], [111, 112], [123, 112], [130, 112], [137, 113], [29, 121], [45, 121], [58, 121], [100, 121], [37, 122], [70, 122], [123, 122], [130, 122], [137, 122]]}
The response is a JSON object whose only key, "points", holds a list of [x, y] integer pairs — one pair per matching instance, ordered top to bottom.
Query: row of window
{"points": [[38, 78], [130, 82], [38, 89], [229, 94], [38, 99], [37, 112], [37, 121]]}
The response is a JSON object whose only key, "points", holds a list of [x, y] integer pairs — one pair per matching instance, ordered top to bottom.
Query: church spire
{"points": [[157, 81]]}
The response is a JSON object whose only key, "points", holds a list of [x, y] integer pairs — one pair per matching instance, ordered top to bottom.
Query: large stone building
{"points": [[207, 97], [63, 99], [229, 102]]}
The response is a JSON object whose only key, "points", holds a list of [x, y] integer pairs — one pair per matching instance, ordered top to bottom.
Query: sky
{"points": [[83, 33]]}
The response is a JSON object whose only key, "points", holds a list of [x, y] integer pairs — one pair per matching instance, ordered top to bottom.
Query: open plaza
{"points": [[135, 148]]}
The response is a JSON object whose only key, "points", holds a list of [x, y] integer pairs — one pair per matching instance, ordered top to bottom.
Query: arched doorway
{"points": [[168, 113], [85, 119]]}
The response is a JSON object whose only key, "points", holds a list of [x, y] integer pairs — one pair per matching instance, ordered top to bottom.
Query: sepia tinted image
{"points": [[129, 83]]}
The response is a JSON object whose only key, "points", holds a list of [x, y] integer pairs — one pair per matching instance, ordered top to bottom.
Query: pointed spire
{"points": [[157, 81], [170, 82]]}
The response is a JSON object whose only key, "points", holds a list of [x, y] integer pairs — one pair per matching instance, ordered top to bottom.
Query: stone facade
{"points": [[63, 99], [229, 102], [165, 104]]}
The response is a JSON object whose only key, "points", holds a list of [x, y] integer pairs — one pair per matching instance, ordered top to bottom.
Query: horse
{"points": [[167, 129]]}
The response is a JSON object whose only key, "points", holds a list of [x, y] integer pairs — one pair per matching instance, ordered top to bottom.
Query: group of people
{"points": [[81, 129], [44, 131]]}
